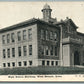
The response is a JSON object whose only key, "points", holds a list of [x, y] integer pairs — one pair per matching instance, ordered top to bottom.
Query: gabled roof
{"points": [[66, 22], [72, 23]]}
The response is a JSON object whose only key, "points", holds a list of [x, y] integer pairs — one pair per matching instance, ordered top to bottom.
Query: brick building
{"points": [[41, 42]]}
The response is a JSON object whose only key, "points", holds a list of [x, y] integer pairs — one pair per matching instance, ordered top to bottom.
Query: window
{"points": [[24, 34], [29, 34], [42, 34], [47, 35], [51, 35], [19, 36], [55, 36], [13, 37], [8, 38], [3, 39], [30, 49], [24, 50], [42, 50], [46, 50], [51, 50], [19, 51], [55, 51], [13, 52], [4, 53], [8, 53], [83, 55], [30, 62], [43, 62], [52, 62], [56, 62], [19, 63], [25, 63], [48, 63], [4, 64], [8, 64], [13, 64]]}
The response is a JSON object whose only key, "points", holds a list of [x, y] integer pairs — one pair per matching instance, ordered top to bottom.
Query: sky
{"points": [[15, 12]]}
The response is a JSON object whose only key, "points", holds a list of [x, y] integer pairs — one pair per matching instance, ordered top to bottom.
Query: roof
{"points": [[46, 6], [33, 21], [66, 22], [25, 23], [72, 23], [17, 25], [81, 34]]}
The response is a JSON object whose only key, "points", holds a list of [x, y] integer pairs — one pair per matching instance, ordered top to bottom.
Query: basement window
{"points": [[30, 62], [43, 62], [52, 62], [19, 63], [25, 63], [48, 63], [56, 63], [4, 64], [8, 64], [13, 64]]}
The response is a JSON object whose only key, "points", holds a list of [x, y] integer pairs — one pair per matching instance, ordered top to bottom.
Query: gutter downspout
{"points": [[61, 51]]}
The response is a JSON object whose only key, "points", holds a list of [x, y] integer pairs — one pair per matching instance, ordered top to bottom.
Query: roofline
{"points": [[63, 22], [25, 23], [73, 23], [21, 24], [79, 33]]}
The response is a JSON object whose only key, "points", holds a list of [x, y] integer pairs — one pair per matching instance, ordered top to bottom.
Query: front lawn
{"points": [[42, 70]]}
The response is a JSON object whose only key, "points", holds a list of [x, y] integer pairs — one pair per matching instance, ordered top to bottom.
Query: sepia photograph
{"points": [[42, 41]]}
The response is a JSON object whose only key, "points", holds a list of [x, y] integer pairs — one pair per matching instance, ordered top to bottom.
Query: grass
{"points": [[42, 70]]}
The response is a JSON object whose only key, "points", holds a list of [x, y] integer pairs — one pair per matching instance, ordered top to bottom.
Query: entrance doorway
{"points": [[76, 58]]}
